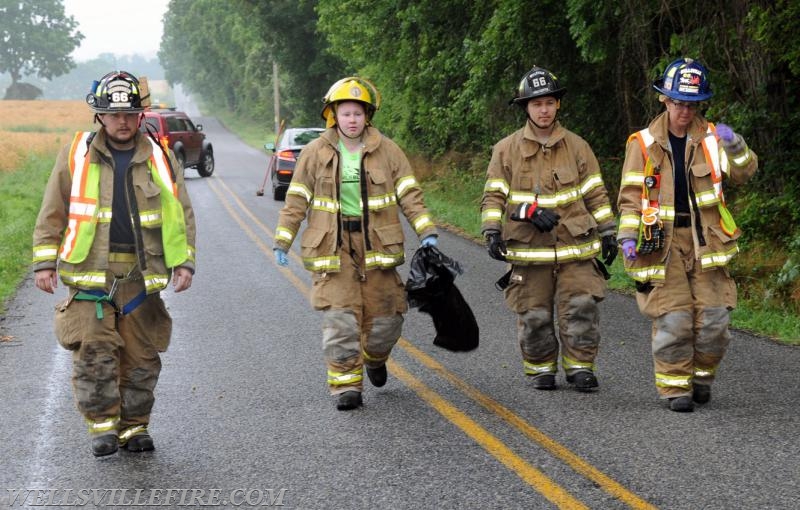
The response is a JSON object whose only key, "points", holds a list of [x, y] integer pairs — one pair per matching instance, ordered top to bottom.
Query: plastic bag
{"points": [[430, 287]]}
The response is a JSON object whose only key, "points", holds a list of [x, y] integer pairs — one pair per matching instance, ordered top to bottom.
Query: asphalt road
{"points": [[242, 410]]}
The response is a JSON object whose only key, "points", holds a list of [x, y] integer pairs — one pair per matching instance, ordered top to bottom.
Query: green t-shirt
{"points": [[351, 181]]}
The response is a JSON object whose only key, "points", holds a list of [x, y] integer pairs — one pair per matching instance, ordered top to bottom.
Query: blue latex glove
{"points": [[725, 133], [429, 241], [629, 249], [280, 257]]}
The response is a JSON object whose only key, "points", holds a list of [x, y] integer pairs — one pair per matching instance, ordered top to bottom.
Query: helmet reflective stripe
{"points": [[684, 79], [538, 82], [351, 88], [549, 367]]}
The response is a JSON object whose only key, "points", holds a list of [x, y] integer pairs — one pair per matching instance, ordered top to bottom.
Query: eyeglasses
{"points": [[684, 104]]}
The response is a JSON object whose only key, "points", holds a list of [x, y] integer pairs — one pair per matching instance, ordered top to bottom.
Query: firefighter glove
{"points": [[725, 133], [545, 219], [431, 240], [496, 245], [610, 248], [629, 249], [280, 257]]}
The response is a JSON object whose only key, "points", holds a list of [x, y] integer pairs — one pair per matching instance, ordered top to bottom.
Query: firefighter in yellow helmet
{"points": [[352, 184], [545, 210], [116, 225], [677, 234]]}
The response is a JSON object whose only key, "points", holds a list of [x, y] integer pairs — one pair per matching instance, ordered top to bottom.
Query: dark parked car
{"points": [[184, 137], [284, 157]]}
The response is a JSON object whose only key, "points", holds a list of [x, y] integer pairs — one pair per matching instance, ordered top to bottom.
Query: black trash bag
{"points": [[430, 288]]}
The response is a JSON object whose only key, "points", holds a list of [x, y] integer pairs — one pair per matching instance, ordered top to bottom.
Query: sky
{"points": [[134, 29]]}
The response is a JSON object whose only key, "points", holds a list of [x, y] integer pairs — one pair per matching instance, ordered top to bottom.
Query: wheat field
{"points": [[38, 128]]}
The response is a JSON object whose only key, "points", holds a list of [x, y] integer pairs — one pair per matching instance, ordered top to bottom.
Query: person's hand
{"points": [[725, 133], [545, 219], [431, 240], [496, 245], [610, 249], [629, 249], [280, 257], [181, 279], [46, 280]]}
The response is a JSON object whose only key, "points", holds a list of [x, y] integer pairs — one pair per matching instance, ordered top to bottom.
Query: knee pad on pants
{"points": [[582, 321], [384, 334], [536, 334], [341, 335], [713, 336], [673, 337]]}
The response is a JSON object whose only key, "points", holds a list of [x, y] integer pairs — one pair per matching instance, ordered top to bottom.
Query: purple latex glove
{"points": [[725, 133], [629, 249]]}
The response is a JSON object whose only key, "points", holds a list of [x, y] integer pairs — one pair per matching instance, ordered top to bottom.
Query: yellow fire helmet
{"points": [[351, 88]]}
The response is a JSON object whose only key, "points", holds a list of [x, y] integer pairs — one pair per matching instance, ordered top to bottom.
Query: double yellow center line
{"points": [[532, 476]]}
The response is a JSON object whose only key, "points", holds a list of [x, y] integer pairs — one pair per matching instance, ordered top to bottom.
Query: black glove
{"points": [[543, 219], [496, 245], [610, 248]]}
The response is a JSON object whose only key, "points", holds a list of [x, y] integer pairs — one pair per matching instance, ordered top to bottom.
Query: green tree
{"points": [[37, 38]]}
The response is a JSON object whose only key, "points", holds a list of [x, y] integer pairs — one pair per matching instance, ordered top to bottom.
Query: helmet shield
{"points": [[684, 79], [538, 82], [350, 89], [117, 91]]}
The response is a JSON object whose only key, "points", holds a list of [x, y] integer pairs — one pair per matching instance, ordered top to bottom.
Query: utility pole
{"points": [[276, 94]]}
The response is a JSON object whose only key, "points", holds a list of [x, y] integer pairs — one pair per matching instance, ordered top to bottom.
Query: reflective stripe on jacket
{"points": [[707, 163], [562, 175], [391, 188], [79, 235]]}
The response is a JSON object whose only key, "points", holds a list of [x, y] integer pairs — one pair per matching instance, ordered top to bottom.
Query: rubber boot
{"points": [[377, 376], [544, 382], [584, 382], [701, 393], [349, 400], [681, 404], [140, 443], [104, 444]]}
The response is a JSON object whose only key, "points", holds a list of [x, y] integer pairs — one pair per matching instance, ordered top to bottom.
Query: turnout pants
{"points": [[574, 289], [690, 313], [362, 315], [116, 360]]}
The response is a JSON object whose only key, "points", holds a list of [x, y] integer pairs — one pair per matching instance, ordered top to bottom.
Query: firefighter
{"points": [[545, 182], [352, 183], [115, 225], [677, 235]]}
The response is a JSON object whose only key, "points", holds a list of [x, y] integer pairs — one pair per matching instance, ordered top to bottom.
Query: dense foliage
{"points": [[447, 69]]}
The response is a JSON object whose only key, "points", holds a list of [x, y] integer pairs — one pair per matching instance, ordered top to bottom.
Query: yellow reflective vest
{"points": [[78, 237]]}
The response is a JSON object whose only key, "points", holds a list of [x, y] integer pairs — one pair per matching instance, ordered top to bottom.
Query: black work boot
{"points": [[377, 376], [583, 381], [544, 382], [701, 393], [349, 400], [681, 404], [140, 443], [105, 444]]}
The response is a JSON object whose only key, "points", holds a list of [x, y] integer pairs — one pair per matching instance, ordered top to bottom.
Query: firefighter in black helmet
{"points": [[545, 210]]}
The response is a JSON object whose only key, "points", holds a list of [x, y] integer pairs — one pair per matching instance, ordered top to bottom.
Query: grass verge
{"points": [[21, 199]]}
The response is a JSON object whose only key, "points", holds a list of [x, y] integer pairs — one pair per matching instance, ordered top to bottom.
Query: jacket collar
{"points": [[659, 128], [531, 146], [143, 147]]}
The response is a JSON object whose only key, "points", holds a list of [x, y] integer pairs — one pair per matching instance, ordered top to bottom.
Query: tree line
{"points": [[447, 69]]}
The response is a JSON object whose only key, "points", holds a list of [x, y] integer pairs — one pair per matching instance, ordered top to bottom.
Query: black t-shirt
{"points": [[678, 145], [121, 227]]}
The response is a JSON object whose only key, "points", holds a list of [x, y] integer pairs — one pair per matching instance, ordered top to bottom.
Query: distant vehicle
{"points": [[183, 136], [284, 157]]}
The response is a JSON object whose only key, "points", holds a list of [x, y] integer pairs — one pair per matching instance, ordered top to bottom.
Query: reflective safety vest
{"points": [[84, 213]]}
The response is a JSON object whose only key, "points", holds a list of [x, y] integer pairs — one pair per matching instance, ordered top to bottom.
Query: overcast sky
{"points": [[121, 28]]}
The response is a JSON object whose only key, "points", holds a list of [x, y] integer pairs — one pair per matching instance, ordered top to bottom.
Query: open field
{"points": [[38, 128]]}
